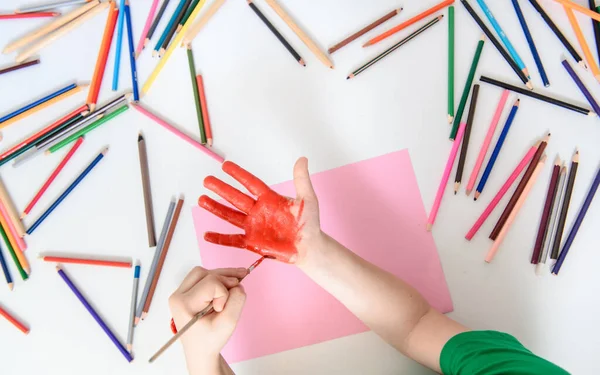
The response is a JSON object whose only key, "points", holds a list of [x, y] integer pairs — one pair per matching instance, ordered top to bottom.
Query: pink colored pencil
{"points": [[147, 25], [138, 107], [486, 143], [55, 173], [445, 176], [488, 210], [511, 218], [11, 228]]}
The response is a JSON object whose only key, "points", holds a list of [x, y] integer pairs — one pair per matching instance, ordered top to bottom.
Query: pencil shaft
{"points": [[50, 6], [187, 13], [157, 19], [203, 20], [172, 24], [596, 26], [173, 27], [146, 28], [363, 31], [531, 43], [119, 45], [587, 53], [451, 63], [19, 66], [192, 69], [134, 76], [98, 77], [584, 90], [36, 103], [204, 105], [467, 136], [147, 191], [564, 210], [11, 211], [545, 219], [552, 225], [13, 254], [90, 262], [5, 269], [134, 293], [20, 326]]}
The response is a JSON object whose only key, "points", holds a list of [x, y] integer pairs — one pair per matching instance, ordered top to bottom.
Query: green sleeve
{"points": [[492, 353]]}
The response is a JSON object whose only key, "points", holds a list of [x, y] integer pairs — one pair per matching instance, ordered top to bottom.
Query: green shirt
{"points": [[492, 353]]}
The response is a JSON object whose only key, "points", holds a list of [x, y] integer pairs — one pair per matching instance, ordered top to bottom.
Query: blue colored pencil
{"points": [[120, 21], [171, 24], [503, 37], [532, 47], [134, 78], [584, 90], [37, 102], [497, 148], [67, 191], [577, 224], [6, 272], [94, 314]]}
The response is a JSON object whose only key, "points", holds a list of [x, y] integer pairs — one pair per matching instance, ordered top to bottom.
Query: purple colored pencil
{"points": [[582, 88], [577, 224], [95, 315]]}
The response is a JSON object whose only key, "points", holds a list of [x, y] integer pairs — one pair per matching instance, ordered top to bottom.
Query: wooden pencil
{"points": [[50, 6], [580, 8], [186, 15], [13, 16], [156, 21], [202, 21], [171, 24], [146, 28], [173, 29], [64, 30], [364, 30], [300, 33], [531, 43], [118, 45], [388, 51], [587, 53], [132, 64], [450, 64], [12, 68], [192, 70], [581, 86], [37, 102], [204, 105], [466, 137], [145, 174], [520, 188], [10, 208], [564, 209], [545, 219], [11, 238], [13, 253], [85, 261], [6, 271], [134, 293], [20, 326]]}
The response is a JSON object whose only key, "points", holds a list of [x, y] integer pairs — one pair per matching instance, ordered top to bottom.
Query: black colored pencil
{"points": [[156, 21], [173, 28], [275, 32], [497, 44], [538, 96], [465, 143], [562, 219]]}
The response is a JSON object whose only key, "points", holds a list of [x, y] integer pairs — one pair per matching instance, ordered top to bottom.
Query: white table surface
{"points": [[266, 111]]}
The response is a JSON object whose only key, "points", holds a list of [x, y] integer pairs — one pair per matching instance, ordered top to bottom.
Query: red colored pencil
{"points": [[28, 15], [109, 30], [204, 106], [55, 173], [90, 262], [14, 321]]}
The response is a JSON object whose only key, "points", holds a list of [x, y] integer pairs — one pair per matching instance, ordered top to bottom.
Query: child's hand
{"points": [[275, 226]]}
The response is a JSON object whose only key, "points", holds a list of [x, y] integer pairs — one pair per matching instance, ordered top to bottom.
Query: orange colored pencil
{"points": [[409, 22], [109, 29], [591, 62], [204, 106], [90, 262], [14, 321]]}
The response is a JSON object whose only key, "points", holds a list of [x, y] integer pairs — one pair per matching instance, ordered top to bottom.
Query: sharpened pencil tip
{"points": [[450, 119], [140, 137], [105, 151], [468, 192], [23, 215], [429, 226], [58, 267], [10, 286]]}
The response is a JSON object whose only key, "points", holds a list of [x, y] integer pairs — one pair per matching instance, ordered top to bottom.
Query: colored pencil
{"points": [[574, 6], [45, 7], [28, 15], [186, 15], [156, 21], [202, 21], [409, 22], [172, 25], [596, 26], [146, 28], [46, 29], [109, 29], [174, 29], [364, 30], [275, 32], [300, 33], [558, 33], [57, 34], [531, 43], [497, 44], [118, 46], [511, 49], [388, 51], [587, 53], [451, 64], [12, 68], [158, 68], [192, 69], [134, 76], [467, 88], [584, 90], [538, 96], [36, 103], [204, 105], [87, 129], [177, 132], [466, 137], [487, 141], [497, 148], [145, 174], [445, 176], [52, 177], [520, 188], [67, 191], [519, 204], [564, 209], [11, 210], [545, 219], [577, 224], [11, 237], [549, 238], [13, 253], [163, 255], [83, 261], [6, 271], [150, 276], [134, 293], [94, 314], [20, 326]]}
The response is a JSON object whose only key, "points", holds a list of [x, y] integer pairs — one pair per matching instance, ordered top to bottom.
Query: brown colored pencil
{"points": [[364, 30], [12, 68], [465, 143], [147, 190], [513, 200], [562, 219], [543, 228], [163, 256]]}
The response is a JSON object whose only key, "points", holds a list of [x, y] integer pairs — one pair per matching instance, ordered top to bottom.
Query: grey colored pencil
{"points": [[48, 6], [147, 191], [134, 293]]}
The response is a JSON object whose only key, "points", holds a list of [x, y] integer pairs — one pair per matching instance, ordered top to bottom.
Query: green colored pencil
{"points": [[187, 15], [450, 64], [467, 89], [196, 94], [73, 137], [24, 275]]}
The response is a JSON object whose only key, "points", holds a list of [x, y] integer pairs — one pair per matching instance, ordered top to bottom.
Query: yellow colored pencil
{"points": [[195, 29]]}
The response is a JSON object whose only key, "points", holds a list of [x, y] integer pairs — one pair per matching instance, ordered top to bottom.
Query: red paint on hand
{"points": [[271, 223]]}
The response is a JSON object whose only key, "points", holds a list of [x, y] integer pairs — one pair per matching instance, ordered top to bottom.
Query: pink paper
{"points": [[374, 208]]}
